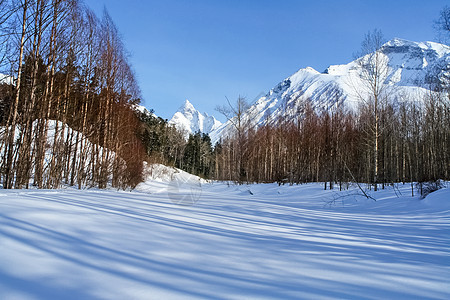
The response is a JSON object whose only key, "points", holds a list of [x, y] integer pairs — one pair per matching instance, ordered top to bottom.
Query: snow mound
{"points": [[162, 173], [163, 179], [439, 200]]}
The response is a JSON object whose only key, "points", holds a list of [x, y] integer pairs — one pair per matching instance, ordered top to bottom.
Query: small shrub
{"points": [[425, 188]]}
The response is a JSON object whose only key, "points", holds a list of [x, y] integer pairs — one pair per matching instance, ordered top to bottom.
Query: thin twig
{"points": [[360, 188]]}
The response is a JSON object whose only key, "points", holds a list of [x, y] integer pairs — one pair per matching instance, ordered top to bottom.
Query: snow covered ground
{"points": [[234, 242]]}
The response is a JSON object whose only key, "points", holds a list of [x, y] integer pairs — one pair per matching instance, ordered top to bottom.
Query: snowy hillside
{"points": [[409, 65], [6, 79], [143, 110], [190, 120], [66, 134], [236, 242]]}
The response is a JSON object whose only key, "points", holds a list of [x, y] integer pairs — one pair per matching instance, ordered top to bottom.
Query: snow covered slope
{"points": [[409, 66], [6, 79], [143, 110], [190, 120], [273, 243]]}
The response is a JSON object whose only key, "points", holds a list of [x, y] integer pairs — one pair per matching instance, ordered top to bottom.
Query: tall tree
{"points": [[374, 90], [12, 121], [241, 123]]}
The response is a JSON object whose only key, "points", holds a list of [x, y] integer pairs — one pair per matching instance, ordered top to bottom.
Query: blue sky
{"points": [[205, 51]]}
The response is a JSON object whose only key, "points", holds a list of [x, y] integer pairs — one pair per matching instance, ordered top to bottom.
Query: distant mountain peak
{"points": [[397, 42], [187, 107], [189, 120]]}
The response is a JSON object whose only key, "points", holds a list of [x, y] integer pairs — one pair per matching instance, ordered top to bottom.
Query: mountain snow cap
{"points": [[187, 107], [190, 120]]}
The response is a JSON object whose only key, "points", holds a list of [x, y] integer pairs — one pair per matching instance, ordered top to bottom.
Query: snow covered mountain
{"points": [[408, 64], [190, 120]]}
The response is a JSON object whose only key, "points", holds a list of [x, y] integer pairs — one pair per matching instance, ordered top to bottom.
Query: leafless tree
{"points": [[442, 24], [374, 89], [12, 120], [240, 120]]}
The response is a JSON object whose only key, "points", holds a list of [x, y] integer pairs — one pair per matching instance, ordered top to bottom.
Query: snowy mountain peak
{"points": [[398, 42], [401, 45], [409, 65], [187, 107], [190, 120]]}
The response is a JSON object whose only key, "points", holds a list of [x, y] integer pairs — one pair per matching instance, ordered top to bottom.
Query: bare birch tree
{"points": [[374, 89]]}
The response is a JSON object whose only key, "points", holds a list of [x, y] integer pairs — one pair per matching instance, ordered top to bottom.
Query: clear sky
{"points": [[206, 50]]}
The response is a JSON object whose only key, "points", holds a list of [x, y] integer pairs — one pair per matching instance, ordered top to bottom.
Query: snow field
{"points": [[235, 242]]}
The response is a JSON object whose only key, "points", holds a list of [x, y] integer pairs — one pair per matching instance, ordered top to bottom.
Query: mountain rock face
{"points": [[409, 68], [189, 120]]}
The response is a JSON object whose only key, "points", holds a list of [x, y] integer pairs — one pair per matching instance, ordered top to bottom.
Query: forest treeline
{"points": [[66, 110], [165, 144], [334, 146], [337, 146]]}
